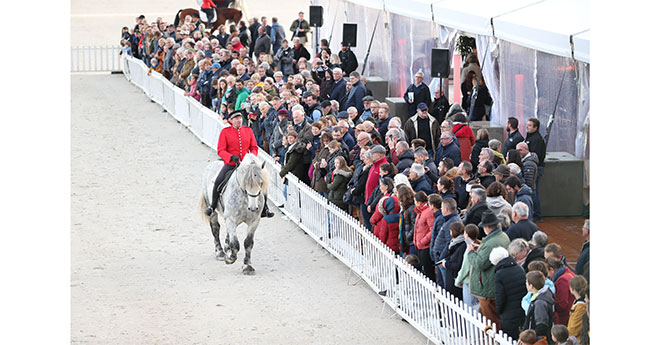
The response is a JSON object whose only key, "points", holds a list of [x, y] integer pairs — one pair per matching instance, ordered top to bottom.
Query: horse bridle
{"points": [[252, 196]]}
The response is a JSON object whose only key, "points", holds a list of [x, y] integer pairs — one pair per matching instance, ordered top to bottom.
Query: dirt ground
{"points": [[142, 264]]}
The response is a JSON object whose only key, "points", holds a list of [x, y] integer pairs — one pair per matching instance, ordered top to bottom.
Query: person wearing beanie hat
{"points": [[501, 173]]}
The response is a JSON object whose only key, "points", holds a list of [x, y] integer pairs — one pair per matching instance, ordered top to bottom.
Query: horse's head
{"points": [[255, 183]]}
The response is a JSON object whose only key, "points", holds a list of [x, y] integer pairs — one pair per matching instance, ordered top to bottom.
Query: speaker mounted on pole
{"points": [[316, 16], [349, 36], [440, 63]]}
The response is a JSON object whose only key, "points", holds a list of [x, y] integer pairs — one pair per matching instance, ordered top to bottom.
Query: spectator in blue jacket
{"points": [[339, 88], [358, 91], [448, 149], [418, 180], [522, 192], [523, 227], [440, 239]]}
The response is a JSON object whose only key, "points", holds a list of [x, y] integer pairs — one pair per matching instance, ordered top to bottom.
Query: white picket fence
{"points": [[95, 59], [434, 312]]}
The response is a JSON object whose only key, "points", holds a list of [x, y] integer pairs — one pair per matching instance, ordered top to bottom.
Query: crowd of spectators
{"points": [[464, 206]]}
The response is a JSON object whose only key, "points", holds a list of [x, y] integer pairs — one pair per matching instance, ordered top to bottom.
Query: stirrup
{"points": [[208, 211]]}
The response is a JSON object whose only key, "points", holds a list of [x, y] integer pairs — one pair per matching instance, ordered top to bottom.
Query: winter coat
{"points": [[262, 45], [284, 60], [348, 60], [338, 90], [421, 94], [354, 99], [479, 99], [439, 108], [410, 128], [304, 130], [279, 131], [465, 140], [511, 141], [239, 142], [536, 144], [476, 150], [451, 151], [406, 159], [296, 161], [530, 169], [373, 178], [318, 180], [422, 184], [337, 188], [358, 193], [524, 195], [462, 196], [497, 204], [473, 215], [386, 221], [423, 227], [407, 228], [524, 229], [440, 240], [534, 255], [453, 264], [582, 264], [482, 280], [510, 289], [563, 296], [578, 309], [539, 314]]}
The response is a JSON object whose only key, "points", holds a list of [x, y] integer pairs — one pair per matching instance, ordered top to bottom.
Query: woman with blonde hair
{"points": [[338, 182]]}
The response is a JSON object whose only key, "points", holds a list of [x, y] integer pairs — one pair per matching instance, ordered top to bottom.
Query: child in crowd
{"points": [[192, 88], [462, 280], [578, 287], [529, 337], [561, 337]]}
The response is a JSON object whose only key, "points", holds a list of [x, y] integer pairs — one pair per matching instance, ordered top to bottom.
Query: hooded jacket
{"points": [[530, 169], [337, 187], [524, 195], [497, 204], [386, 221], [423, 227], [510, 289], [539, 315]]}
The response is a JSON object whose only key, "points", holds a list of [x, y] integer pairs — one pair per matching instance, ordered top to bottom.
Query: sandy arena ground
{"points": [[142, 263]]}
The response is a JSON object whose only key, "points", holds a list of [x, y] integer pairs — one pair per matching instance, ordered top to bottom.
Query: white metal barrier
{"points": [[95, 58], [433, 311]]}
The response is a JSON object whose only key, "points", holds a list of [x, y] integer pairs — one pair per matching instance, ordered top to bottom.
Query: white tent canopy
{"points": [[545, 25]]}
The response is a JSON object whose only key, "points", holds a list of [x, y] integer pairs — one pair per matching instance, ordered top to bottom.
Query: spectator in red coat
{"points": [[465, 136], [378, 157], [385, 219], [423, 233], [561, 276]]}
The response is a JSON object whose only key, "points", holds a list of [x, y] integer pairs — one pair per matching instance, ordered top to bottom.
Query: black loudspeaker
{"points": [[315, 16], [349, 37], [440, 63]]}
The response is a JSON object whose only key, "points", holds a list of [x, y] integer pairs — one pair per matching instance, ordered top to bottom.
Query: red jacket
{"points": [[208, 4], [465, 137], [238, 142], [372, 179], [423, 227], [388, 233], [563, 297]]}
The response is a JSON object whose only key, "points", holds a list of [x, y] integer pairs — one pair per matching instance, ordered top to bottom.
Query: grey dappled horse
{"points": [[241, 202]]}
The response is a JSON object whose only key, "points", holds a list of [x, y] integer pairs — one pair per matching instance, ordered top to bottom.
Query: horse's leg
{"points": [[215, 230], [249, 241], [234, 245]]}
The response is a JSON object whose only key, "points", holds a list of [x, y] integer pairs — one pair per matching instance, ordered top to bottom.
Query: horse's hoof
{"points": [[219, 255], [230, 261], [248, 270]]}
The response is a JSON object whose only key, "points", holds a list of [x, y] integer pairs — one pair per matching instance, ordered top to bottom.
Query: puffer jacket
{"points": [[530, 169], [337, 187], [386, 221], [407, 227], [423, 227], [482, 280], [510, 289]]}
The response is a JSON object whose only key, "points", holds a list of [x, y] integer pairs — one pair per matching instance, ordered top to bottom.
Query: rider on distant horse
{"points": [[208, 7], [234, 143]]}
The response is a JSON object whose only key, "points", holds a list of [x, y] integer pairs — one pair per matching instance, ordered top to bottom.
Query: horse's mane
{"points": [[248, 167]]}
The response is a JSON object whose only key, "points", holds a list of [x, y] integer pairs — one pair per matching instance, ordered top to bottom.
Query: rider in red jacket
{"points": [[208, 6], [234, 143]]}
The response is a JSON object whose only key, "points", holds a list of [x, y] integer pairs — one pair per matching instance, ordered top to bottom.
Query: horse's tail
{"points": [[176, 19], [202, 207]]}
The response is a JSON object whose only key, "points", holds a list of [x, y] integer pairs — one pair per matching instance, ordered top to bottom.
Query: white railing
{"points": [[95, 59], [433, 311]]}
